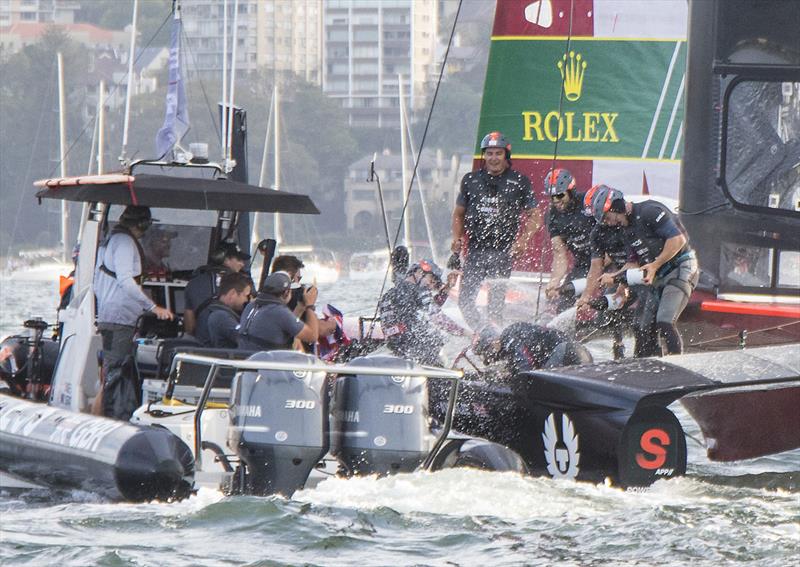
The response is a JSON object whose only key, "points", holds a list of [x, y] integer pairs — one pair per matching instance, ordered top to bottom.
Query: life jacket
{"points": [[122, 229], [261, 301]]}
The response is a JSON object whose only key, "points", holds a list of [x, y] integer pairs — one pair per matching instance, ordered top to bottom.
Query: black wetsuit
{"points": [[493, 206], [575, 228], [405, 320], [526, 346]]}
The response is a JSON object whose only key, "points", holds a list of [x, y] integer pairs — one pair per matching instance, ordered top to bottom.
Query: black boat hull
{"points": [[67, 450]]}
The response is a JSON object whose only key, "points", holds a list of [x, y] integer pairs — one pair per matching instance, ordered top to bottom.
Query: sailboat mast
{"points": [[131, 56], [101, 127], [62, 140], [277, 162], [404, 192], [425, 216], [255, 234]]}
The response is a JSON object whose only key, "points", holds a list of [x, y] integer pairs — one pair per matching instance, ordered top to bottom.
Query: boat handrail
{"points": [[215, 364], [424, 371]]}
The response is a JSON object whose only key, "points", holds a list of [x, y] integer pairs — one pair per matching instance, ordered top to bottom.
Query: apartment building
{"points": [[38, 11], [279, 35], [368, 44]]}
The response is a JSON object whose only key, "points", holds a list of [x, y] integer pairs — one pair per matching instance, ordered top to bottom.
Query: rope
{"points": [[108, 96], [214, 123], [555, 146], [32, 156], [416, 161], [737, 336]]}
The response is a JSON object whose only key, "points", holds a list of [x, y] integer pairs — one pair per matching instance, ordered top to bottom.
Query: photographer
{"points": [[298, 304]]}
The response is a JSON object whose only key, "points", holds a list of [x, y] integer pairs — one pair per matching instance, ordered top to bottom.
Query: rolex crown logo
{"points": [[572, 69]]}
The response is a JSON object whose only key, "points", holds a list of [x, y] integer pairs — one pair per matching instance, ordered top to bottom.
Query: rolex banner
{"points": [[593, 86], [610, 107]]}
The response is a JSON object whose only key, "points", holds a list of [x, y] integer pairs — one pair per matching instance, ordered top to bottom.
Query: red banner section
{"points": [[543, 17]]}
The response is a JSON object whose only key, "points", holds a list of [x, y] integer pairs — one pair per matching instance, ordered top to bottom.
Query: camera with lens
{"points": [[297, 296]]}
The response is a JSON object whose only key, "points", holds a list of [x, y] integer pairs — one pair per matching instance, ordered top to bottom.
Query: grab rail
{"points": [[216, 363]]}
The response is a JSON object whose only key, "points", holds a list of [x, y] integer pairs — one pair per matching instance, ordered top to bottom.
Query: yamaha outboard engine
{"points": [[29, 369], [279, 423], [381, 424]]}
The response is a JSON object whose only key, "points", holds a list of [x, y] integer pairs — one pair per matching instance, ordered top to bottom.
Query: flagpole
{"points": [[235, 35], [224, 130], [62, 139]]}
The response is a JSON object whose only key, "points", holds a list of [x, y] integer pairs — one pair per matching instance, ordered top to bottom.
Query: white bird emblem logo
{"points": [[562, 462]]}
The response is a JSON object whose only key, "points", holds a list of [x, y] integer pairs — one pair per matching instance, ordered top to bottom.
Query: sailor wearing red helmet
{"points": [[496, 212], [570, 231], [659, 245]]}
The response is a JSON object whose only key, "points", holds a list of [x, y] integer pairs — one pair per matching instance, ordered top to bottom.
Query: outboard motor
{"points": [[29, 370], [279, 423], [380, 424]]}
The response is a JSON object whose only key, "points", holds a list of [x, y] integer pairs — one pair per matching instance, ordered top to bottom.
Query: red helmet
{"points": [[496, 140], [558, 181], [598, 200]]}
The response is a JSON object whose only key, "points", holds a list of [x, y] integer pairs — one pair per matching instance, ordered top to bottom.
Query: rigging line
{"points": [[199, 79], [110, 93], [555, 147], [416, 161], [21, 199], [749, 333]]}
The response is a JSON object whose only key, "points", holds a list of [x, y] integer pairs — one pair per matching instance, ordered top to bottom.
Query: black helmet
{"points": [[496, 140], [558, 181], [483, 344]]}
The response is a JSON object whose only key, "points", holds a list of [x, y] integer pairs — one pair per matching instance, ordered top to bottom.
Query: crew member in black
{"points": [[488, 212], [570, 230], [658, 243], [227, 257], [405, 314], [217, 321], [268, 324], [525, 346]]}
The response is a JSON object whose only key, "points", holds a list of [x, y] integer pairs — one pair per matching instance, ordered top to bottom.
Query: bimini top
{"points": [[169, 192]]}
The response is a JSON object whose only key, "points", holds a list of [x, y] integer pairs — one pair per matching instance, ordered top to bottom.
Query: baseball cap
{"points": [[137, 213], [232, 250], [277, 283]]}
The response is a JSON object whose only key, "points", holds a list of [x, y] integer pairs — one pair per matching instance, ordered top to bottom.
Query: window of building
{"points": [[369, 34], [363, 195]]}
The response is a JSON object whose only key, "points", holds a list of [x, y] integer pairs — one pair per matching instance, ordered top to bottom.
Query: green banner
{"points": [[623, 99]]}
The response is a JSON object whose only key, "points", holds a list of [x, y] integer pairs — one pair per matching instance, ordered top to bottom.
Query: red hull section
{"points": [[748, 422]]}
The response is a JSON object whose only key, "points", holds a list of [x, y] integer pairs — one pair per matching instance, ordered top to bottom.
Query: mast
{"points": [[129, 91], [101, 127], [224, 129], [229, 133], [62, 141], [277, 163], [404, 193], [428, 229], [255, 235]]}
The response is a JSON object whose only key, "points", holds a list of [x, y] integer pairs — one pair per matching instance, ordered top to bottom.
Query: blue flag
{"points": [[176, 118]]}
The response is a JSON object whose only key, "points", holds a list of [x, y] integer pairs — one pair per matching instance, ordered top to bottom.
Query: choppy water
{"points": [[719, 514]]}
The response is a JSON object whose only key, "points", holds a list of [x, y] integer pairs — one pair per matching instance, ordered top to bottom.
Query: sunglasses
{"points": [[558, 196]]}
